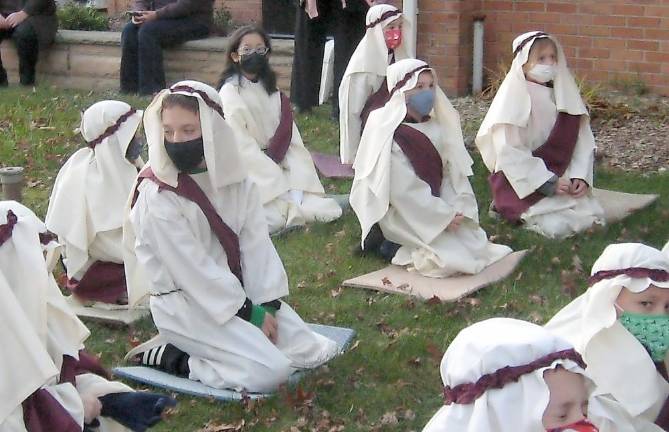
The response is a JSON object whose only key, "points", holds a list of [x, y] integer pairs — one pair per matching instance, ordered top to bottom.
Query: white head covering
{"points": [[371, 55], [512, 104], [224, 164], [92, 187], [370, 193], [665, 249], [34, 310], [486, 347], [617, 363]]}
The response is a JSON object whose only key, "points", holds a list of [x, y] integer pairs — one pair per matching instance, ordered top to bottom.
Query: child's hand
{"points": [[563, 187], [578, 188], [456, 222], [270, 327], [92, 407]]}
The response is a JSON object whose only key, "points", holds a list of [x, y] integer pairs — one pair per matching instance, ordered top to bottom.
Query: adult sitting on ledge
{"points": [[32, 24], [158, 24]]}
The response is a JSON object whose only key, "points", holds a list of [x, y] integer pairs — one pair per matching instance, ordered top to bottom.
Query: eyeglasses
{"points": [[248, 51]]}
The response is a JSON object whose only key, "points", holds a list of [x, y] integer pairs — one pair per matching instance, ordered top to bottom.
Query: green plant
{"points": [[73, 16], [222, 20], [495, 77], [630, 84], [598, 105]]}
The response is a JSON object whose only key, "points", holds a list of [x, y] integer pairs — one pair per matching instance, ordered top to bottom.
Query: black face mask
{"points": [[254, 63], [134, 149], [186, 155]]}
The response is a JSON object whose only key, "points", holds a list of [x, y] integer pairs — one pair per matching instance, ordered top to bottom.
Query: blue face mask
{"points": [[422, 102]]}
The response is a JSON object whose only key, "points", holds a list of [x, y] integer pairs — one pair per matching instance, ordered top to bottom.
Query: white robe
{"points": [[361, 85], [291, 191], [555, 216], [417, 220], [180, 252], [39, 322]]}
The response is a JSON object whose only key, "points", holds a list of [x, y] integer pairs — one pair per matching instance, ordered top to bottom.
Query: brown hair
{"points": [[541, 43], [267, 76], [189, 103]]}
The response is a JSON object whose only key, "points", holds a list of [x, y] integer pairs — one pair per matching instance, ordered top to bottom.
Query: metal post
{"points": [[11, 179]]}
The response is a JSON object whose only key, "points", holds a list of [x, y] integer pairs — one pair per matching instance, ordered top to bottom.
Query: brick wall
{"points": [[603, 40]]}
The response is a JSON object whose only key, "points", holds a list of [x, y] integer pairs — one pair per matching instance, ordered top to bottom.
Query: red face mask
{"points": [[393, 37], [580, 426]]}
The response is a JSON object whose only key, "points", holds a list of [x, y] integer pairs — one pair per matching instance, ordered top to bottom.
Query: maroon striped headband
{"points": [[383, 17], [528, 40], [407, 77], [205, 97], [111, 130], [6, 229], [633, 272], [467, 393]]}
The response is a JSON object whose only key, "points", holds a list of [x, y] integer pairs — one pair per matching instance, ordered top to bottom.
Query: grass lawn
{"points": [[390, 380]]}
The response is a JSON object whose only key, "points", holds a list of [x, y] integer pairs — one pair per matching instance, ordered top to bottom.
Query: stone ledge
{"points": [[216, 43], [91, 60]]}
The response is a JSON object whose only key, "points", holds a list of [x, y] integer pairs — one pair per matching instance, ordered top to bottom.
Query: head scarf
{"points": [[371, 55], [512, 103], [224, 164], [92, 187], [370, 193], [35, 314], [486, 348], [617, 363]]}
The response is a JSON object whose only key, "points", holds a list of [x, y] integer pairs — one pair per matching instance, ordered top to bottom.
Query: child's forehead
{"points": [[543, 46], [652, 291]]}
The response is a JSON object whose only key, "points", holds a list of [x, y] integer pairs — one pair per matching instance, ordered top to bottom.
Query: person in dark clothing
{"points": [[345, 20], [161, 23], [32, 25]]}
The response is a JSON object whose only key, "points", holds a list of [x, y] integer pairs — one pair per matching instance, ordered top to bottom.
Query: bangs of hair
{"points": [[540, 44], [189, 103]]}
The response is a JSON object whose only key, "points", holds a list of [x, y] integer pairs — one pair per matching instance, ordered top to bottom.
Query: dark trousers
{"points": [[347, 26], [27, 47], [142, 51]]}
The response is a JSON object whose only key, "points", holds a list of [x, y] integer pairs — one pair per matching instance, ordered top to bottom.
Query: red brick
{"points": [[498, 5], [530, 6], [561, 7], [594, 8], [628, 10], [657, 11], [544, 17], [581, 19], [609, 20], [643, 22], [560, 29], [597, 30], [627, 32], [656, 34], [608, 43], [643, 45], [601, 53], [627, 55], [659, 57], [579, 63], [610, 65], [645, 67]]}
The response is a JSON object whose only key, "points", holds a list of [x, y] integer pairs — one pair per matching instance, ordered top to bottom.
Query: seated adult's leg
{"points": [[4, 34], [152, 38], [27, 47], [129, 59]]}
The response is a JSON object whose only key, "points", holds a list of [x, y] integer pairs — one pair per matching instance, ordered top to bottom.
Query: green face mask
{"points": [[651, 330]]}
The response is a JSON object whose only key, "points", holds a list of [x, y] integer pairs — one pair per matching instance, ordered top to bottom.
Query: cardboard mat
{"points": [[330, 166], [619, 205], [395, 279], [108, 313], [341, 335]]}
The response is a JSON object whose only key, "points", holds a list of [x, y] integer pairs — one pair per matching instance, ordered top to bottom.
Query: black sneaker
{"points": [[3, 78]]}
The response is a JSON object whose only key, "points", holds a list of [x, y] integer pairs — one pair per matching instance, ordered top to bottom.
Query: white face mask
{"points": [[542, 73]]}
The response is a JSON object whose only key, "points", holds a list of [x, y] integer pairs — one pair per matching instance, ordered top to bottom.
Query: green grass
{"points": [[394, 367]]}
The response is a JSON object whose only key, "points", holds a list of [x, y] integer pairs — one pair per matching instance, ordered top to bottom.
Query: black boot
{"points": [[3, 78]]}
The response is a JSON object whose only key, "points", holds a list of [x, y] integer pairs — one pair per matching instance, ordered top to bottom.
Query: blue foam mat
{"points": [[341, 335]]}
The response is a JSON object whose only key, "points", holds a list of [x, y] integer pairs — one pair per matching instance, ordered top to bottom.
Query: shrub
{"points": [[76, 17], [222, 21]]}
